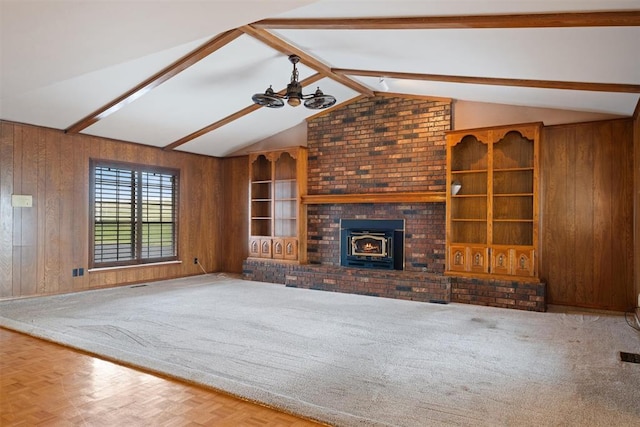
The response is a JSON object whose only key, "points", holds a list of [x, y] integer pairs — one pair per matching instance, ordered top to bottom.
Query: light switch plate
{"points": [[21, 200]]}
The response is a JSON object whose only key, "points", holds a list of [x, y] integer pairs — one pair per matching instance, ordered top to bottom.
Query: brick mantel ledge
{"points": [[396, 197]]}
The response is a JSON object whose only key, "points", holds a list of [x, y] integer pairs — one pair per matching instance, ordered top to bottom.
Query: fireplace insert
{"points": [[372, 243]]}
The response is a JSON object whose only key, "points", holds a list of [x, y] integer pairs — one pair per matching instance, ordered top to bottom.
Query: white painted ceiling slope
{"points": [[64, 61]]}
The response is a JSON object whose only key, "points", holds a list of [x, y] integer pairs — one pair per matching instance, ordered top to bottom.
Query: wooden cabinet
{"points": [[492, 200], [277, 217]]}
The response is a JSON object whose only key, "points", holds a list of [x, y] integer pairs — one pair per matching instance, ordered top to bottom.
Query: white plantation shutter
{"points": [[134, 214]]}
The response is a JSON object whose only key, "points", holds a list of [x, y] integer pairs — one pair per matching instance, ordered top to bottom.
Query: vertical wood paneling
{"points": [[39, 138], [553, 167], [80, 191], [53, 200], [636, 203], [602, 204], [6, 210], [587, 214], [622, 214], [67, 216], [583, 216], [29, 227], [236, 230], [46, 242], [16, 250]]}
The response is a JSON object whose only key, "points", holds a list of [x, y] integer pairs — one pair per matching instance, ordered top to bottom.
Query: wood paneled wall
{"points": [[636, 201], [235, 220], [587, 243], [41, 245]]}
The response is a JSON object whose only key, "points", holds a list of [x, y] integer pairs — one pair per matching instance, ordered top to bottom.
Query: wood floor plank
{"points": [[42, 383]]}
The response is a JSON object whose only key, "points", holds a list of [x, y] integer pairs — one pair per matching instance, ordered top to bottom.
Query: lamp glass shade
{"points": [[455, 187]]}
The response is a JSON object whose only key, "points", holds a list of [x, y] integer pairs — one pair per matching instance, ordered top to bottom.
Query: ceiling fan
{"points": [[294, 96]]}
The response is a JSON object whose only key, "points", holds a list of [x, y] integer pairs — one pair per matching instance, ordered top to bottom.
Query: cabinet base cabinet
{"points": [[285, 248], [469, 258], [499, 261]]}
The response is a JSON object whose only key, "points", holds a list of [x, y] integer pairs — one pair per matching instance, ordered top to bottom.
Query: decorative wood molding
{"points": [[629, 18], [156, 80], [546, 84], [408, 197]]}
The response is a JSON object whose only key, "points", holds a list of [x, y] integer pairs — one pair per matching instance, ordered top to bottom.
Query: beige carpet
{"points": [[354, 360]]}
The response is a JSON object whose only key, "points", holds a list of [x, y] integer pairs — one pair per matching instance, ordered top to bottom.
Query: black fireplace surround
{"points": [[372, 243]]}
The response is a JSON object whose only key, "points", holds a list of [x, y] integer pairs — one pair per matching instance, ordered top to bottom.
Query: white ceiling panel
{"points": [[378, 8], [47, 41], [566, 54], [205, 93], [596, 102], [62, 103], [261, 124]]}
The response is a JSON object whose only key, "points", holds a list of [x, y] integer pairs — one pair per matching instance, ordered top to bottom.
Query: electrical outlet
{"points": [[195, 260]]}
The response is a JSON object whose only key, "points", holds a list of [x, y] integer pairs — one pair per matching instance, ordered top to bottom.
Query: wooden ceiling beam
{"points": [[630, 18], [282, 46], [156, 80], [546, 84], [235, 116]]}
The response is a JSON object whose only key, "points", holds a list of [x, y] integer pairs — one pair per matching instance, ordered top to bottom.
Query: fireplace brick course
{"points": [[385, 145]]}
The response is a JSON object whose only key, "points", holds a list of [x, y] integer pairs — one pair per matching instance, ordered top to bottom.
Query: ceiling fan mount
{"points": [[294, 96]]}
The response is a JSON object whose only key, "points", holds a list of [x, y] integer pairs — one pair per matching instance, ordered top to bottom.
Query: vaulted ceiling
{"points": [[180, 74]]}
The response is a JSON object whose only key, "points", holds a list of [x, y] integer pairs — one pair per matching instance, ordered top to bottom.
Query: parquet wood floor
{"points": [[46, 384]]}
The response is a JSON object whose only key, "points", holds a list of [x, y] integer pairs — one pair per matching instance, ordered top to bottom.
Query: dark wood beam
{"points": [[630, 18], [288, 49], [156, 80], [547, 84], [235, 116]]}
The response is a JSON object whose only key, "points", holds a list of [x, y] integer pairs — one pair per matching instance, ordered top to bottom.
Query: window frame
{"points": [[137, 224]]}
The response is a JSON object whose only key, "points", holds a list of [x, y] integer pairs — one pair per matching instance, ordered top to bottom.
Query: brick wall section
{"points": [[379, 144], [424, 249], [499, 293]]}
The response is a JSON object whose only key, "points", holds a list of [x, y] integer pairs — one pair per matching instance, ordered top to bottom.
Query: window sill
{"points": [[151, 264]]}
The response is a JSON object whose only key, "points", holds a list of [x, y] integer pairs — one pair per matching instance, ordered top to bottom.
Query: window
{"points": [[134, 214]]}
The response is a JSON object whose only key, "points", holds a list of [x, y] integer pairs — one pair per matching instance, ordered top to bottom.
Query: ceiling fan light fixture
{"points": [[294, 96], [268, 99], [319, 101]]}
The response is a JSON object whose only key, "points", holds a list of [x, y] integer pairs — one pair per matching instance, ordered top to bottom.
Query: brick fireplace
{"points": [[381, 146]]}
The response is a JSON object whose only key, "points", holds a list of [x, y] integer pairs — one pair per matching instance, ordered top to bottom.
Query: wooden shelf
{"points": [[409, 197], [492, 220]]}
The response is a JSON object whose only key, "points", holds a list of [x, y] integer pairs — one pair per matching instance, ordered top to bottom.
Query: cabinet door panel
{"points": [[265, 248], [278, 248], [291, 249], [458, 258], [479, 259], [500, 261], [524, 262]]}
